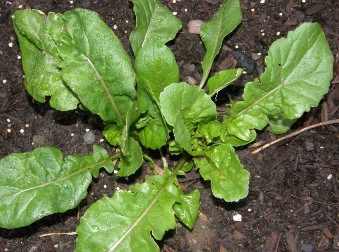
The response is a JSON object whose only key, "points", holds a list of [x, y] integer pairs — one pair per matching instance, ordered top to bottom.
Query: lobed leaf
{"points": [[154, 23], [214, 31], [77, 49], [298, 74], [185, 107], [220, 165], [39, 183], [129, 221]]}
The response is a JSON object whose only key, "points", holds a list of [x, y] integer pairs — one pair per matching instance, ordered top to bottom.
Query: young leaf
{"points": [[154, 23], [213, 33], [40, 58], [155, 68], [298, 74], [222, 79], [185, 107], [112, 133], [131, 162], [220, 164], [39, 183], [187, 211], [129, 220]]}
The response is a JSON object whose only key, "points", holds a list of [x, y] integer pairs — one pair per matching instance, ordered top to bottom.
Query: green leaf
{"points": [[154, 23], [213, 33], [40, 58], [93, 63], [95, 66], [156, 68], [298, 74], [222, 79], [185, 107], [280, 126], [209, 130], [112, 133], [235, 141], [131, 162], [220, 165], [39, 183], [187, 211], [130, 220]]}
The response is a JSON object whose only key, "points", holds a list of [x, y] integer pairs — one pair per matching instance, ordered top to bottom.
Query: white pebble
{"points": [[174, 1], [262, 1], [303, 1], [71, 2], [20, 6], [252, 10], [175, 13], [280, 14], [115, 27], [278, 33], [10, 44], [236, 46], [18, 57], [4, 81], [8, 120], [26, 125], [9, 130], [87, 130], [22, 131], [72, 134], [329, 177], [105, 186], [237, 217]]}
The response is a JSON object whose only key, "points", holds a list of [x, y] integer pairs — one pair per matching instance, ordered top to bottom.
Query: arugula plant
{"points": [[76, 60]]}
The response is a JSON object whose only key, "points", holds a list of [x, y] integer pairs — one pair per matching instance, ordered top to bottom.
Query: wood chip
{"points": [[314, 9], [313, 227], [271, 242], [291, 243]]}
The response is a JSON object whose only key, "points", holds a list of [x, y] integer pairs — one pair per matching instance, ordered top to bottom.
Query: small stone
{"points": [[194, 26], [255, 56], [244, 61], [189, 68], [191, 80], [89, 137], [39, 140], [309, 145], [237, 235], [336, 242], [307, 247]]}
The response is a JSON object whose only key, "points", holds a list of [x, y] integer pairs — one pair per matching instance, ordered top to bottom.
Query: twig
{"points": [[294, 134], [50, 234]]}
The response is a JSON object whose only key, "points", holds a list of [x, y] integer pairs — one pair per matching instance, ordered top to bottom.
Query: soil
{"points": [[293, 200]]}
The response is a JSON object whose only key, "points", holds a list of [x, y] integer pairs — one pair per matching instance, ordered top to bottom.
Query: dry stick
{"points": [[294, 134], [50, 234]]}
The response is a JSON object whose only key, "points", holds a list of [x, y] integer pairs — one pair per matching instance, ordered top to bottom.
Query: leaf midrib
{"points": [[281, 85]]}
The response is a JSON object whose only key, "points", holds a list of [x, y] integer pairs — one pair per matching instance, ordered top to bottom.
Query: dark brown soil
{"points": [[293, 201]]}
